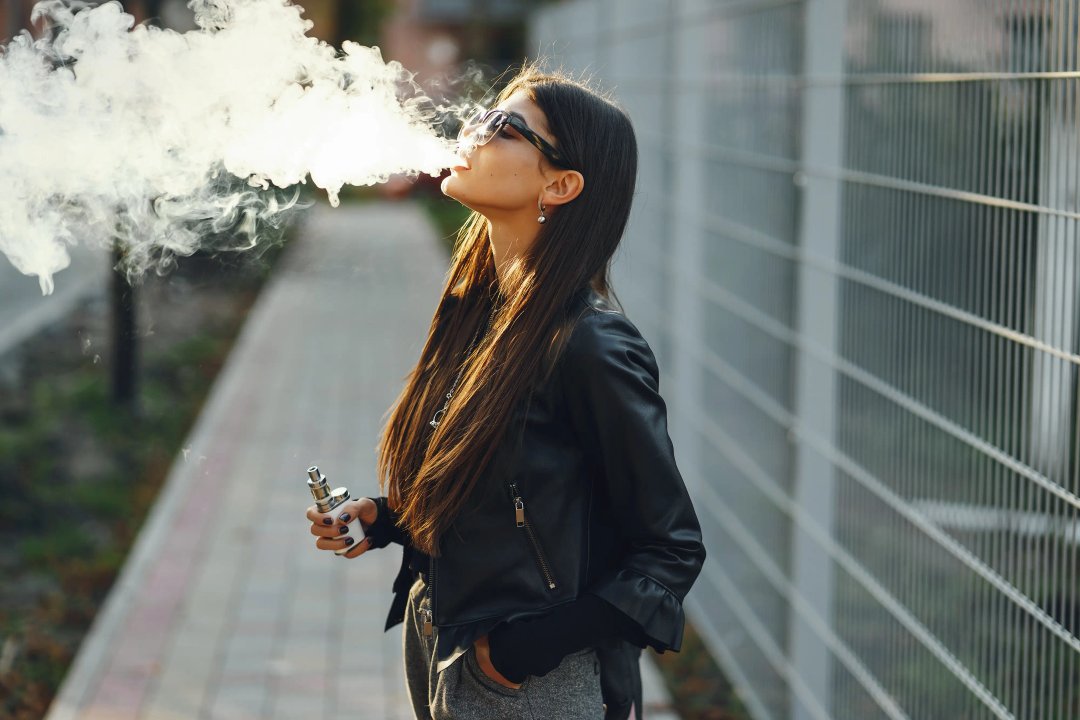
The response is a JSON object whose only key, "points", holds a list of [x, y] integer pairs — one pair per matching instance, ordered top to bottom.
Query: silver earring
{"points": [[543, 218]]}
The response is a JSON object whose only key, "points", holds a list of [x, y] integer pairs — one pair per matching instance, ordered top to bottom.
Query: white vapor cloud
{"points": [[158, 139]]}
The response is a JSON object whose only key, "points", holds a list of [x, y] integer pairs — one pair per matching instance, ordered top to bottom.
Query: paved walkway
{"points": [[225, 609]]}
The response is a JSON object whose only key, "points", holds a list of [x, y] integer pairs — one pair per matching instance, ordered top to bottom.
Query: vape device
{"points": [[327, 500]]}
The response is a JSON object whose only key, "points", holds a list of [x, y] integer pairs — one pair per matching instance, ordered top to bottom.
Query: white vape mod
{"points": [[327, 500]]}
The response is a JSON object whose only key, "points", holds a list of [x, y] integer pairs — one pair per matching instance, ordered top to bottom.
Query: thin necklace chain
{"points": [[438, 416]]}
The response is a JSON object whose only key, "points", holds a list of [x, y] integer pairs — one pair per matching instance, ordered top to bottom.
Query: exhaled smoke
{"points": [[158, 139]]}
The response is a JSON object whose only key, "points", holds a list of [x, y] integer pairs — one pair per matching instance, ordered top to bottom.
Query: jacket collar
{"points": [[585, 295], [591, 298]]}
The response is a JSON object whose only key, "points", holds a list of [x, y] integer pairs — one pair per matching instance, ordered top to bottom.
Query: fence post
{"points": [[686, 202], [817, 310]]}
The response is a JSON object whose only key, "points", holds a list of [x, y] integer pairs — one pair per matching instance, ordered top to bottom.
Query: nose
{"points": [[468, 129], [466, 139], [466, 142]]}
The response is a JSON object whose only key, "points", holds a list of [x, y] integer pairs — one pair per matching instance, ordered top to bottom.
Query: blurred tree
{"points": [[362, 21], [476, 33], [123, 300], [124, 335]]}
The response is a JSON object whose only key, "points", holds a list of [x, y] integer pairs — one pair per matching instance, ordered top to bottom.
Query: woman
{"points": [[548, 536]]}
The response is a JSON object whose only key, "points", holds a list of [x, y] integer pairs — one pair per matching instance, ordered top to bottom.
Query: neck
{"points": [[509, 238]]}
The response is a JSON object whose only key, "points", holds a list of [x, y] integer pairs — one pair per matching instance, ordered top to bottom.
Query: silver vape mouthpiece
{"points": [[325, 498]]}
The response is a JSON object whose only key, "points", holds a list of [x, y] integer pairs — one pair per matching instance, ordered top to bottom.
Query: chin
{"points": [[451, 188], [448, 189]]}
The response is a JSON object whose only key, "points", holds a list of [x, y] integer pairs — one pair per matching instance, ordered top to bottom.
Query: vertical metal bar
{"points": [[1015, 133], [1030, 150], [1036, 167], [1046, 230], [688, 242], [917, 338], [983, 465], [997, 475], [814, 482], [989, 497], [1047, 548], [1070, 588]]}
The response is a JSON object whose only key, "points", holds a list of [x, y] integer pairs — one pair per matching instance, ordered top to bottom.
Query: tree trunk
{"points": [[124, 339]]}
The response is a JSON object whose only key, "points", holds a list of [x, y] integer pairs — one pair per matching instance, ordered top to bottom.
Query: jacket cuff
{"points": [[384, 530], [656, 609]]}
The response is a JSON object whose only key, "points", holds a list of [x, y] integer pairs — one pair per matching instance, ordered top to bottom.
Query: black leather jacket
{"points": [[584, 494]]}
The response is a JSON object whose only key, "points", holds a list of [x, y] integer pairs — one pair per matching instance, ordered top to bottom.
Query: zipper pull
{"points": [[519, 506], [428, 632]]}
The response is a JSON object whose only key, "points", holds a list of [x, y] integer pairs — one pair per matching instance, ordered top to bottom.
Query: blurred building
{"points": [[15, 14], [14, 17], [434, 37], [431, 38], [854, 249]]}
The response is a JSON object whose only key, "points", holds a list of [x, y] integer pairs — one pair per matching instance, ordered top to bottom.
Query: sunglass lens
{"points": [[470, 126], [482, 126], [491, 126]]}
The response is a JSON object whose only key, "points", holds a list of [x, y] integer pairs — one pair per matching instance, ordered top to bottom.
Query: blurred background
{"points": [[853, 249]]}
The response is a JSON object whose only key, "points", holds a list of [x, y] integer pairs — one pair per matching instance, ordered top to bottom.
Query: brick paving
{"points": [[224, 609]]}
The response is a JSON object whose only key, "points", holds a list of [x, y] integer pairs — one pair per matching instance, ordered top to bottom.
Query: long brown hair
{"points": [[429, 473]]}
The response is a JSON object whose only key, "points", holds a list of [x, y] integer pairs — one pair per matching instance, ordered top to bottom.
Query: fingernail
{"points": [[344, 517], [327, 521], [343, 529], [348, 541]]}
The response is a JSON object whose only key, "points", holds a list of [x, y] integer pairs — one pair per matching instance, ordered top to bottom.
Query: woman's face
{"points": [[504, 177]]}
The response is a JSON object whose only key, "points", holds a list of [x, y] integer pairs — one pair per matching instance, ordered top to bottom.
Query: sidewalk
{"points": [[224, 608]]}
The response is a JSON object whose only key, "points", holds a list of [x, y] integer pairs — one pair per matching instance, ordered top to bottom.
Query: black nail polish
{"points": [[344, 517], [327, 521], [343, 529], [348, 541]]}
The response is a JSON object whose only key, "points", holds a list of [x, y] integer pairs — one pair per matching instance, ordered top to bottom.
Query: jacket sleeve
{"points": [[611, 386], [385, 529]]}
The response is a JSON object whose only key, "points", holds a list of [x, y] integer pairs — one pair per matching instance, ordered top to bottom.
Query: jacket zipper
{"points": [[523, 522], [428, 617]]}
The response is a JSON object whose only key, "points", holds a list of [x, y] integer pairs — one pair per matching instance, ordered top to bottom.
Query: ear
{"points": [[563, 186]]}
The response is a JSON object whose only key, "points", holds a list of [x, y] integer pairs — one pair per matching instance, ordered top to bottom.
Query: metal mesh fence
{"points": [[854, 251]]}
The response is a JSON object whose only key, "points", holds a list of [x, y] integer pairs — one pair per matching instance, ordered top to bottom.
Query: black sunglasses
{"points": [[486, 124]]}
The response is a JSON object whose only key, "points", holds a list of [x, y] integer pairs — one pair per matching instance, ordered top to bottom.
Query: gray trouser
{"points": [[463, 692]]}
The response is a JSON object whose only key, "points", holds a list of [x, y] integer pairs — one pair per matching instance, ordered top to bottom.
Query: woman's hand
{"points": [[326, 526], [483, 659]]}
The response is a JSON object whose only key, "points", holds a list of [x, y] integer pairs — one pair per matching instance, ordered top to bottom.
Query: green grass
{"points": [[699, 690]]}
